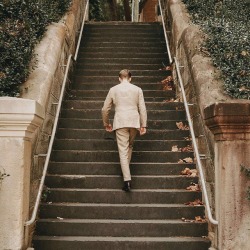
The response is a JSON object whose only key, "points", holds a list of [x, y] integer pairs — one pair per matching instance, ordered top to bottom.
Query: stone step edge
{"points": [[80, 176], [166, 190], [70, 204], [119, 221], [125, 239]]}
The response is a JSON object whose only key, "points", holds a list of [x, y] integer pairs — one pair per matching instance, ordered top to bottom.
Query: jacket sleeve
{"points": [[106, 108], [142, 110]]}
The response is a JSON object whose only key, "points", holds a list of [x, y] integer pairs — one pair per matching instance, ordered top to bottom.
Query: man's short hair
{"points": [[125, 73]]}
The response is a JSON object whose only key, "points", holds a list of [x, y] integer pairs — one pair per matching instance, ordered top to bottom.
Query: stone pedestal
{"points": [[19, 118], [230, 124]]}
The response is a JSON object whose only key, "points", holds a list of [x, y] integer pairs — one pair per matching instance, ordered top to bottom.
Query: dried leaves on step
{"points": [[167, 68], [167, 80], [173, 100], [181, 126], [187, 138], [175, 148], [188, 148], [186, 160], [190, 172], [194, 187], [196, 202], [196, 219]]}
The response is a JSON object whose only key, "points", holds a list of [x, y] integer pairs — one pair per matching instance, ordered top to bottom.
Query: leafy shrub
{"points": [[227, 24], [22, 25]]}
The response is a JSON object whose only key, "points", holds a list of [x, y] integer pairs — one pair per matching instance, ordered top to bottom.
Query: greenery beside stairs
{"points": [[227, 24], [22, 25]]}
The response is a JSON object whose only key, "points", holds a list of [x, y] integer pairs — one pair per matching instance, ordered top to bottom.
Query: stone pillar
{"points": [[19, 118], [230, 124]]}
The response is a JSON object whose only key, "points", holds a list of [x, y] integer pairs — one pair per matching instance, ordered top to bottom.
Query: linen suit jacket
{"points": [[130, 109]]}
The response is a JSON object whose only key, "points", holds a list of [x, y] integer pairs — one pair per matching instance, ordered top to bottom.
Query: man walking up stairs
{"points": [[86, 208]]}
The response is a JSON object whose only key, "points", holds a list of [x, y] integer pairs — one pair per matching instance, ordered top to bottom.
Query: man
{"points": [[130, 116]]}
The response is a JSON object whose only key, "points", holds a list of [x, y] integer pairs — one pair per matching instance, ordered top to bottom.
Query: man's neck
{"points": [[125, 81]]}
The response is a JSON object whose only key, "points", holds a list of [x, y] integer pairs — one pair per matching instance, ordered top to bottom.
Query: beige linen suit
{"points": [[130, 115]]}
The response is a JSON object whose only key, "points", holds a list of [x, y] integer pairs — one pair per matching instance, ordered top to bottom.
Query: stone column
{"points": [[19, 118], [230, 124]]}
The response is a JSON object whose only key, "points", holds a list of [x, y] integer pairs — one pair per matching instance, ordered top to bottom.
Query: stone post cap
{"points": [[19, 117], [229, 121]]}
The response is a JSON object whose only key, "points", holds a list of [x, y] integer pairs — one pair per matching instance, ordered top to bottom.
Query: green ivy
{"points": [[227, 24], [22, 25]]}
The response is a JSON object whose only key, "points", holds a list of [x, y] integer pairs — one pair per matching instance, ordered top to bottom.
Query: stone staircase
{"points": [[86, 208]]}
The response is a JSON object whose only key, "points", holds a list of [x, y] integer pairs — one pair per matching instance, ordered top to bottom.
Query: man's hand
{"points": [[109, 128], [143, 131]]}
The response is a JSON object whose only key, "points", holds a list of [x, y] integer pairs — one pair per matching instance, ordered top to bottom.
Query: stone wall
{"points": [[43, 88], [203, 88]]}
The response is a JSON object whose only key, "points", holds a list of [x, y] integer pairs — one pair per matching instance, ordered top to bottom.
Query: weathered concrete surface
{"points": [[42, 86], [204, 87], [19, 118], [230, 124]]}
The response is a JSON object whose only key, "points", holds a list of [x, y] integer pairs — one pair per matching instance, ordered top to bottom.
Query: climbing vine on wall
{"points": [[227, 24], [22, 25]]}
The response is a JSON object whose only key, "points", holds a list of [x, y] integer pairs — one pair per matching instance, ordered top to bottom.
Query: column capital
{"points": [[19, 117], [229, 121]]}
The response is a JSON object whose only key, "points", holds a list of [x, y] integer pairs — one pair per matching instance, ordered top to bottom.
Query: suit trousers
{"points": [[125, 138]]}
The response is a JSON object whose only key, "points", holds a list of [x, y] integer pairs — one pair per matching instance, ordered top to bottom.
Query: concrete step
{"points": [[126, 36], [135, 42], [123, 44], [116, 49], [118, 55], [125, 61], [119, 66], [105, 72], [114, 79], [107, 86], [103, 93], [90, 98], [70, 104], [96, 114], [98, 123], [152, 134], [78, 144], [113, 156], [114, 168], [116, 181], [117, 196], [119, 211], [120, 228], [121, 243]]}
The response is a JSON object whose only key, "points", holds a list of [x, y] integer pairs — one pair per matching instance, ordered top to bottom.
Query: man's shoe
{"points": [[127, 186]]}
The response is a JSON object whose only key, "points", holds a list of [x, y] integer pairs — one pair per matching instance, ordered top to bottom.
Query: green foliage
{"points": [[99, 10], [227, 24], [22, 25]]}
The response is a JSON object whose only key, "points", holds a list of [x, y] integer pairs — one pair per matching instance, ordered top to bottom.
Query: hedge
{"points": [[227, 24], [22, 25]]}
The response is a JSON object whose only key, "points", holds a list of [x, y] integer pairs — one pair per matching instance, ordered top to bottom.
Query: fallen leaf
{"points": [[168, 79], [167, 87], [181, 126], [187, 138], [175, 148], [188, 148], [188, 160], [180, 161], [193, 187], [196, 202], [59, 218], [199, 219]]}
